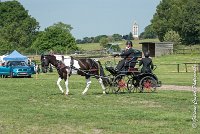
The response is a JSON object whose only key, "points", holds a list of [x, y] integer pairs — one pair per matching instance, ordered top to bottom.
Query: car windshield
{"points": [[18, 63]]}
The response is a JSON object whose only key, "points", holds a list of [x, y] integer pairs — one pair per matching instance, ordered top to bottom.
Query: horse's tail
{"points": [[101, 69]]}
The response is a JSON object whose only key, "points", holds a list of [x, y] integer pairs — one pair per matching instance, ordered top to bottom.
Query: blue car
{"points": [[16, 69]]}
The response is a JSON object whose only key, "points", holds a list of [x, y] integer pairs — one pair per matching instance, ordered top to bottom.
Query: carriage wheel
{"points": [[108, 84], [120, 84], [148, 84], [132, 85], [114, 87], [110, 89]]}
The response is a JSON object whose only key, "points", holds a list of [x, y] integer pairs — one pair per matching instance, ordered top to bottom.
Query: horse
{"points": [[84, 66]]}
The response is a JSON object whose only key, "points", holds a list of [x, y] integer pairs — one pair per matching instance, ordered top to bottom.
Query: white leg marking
{"points": [[88, 82], [58, 83], [66, 84], [102, 86]]}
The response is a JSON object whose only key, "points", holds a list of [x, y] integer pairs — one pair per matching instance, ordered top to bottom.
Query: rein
{"points": [[91, 69], [89, 74]]}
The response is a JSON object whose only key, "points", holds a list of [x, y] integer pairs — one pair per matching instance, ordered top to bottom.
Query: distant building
{"points": [[135, 30], [157, 48]]}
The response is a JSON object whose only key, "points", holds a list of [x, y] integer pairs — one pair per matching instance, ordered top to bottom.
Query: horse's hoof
{"points": [[83, 93]]}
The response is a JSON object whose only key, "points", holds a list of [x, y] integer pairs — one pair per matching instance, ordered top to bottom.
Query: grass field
{"points": [[30, 105], [37, 106]]}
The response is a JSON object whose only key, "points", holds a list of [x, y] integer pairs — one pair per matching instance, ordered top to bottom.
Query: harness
{"points": [[59, 68], [86, 71]]}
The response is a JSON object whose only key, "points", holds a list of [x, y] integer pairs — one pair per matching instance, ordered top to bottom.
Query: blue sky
{"points": [[90, 18]]}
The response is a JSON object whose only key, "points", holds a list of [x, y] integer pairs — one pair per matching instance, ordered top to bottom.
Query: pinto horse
{"points": [[85, 67]]}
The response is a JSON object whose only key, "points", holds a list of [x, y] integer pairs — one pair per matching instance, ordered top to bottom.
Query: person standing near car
{"points": [[38, 69]]}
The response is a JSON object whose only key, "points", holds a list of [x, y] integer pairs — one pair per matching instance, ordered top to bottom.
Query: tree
{"points": [[181, 16], [162, 18], [190, 22], [17, 29], [148, 33], [130, 36], [172, 36], [117, 37], [125, 37], [57, 38], [98, 38], [87, 40], [79, 41], [103, 42], [4, 46]]}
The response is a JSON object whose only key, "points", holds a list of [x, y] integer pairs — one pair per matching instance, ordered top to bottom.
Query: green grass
{"points": [[89, 46], [168, 73], [37, 106]]}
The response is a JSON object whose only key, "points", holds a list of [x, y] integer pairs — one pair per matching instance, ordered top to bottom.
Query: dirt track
{"points": [[174, 87]]}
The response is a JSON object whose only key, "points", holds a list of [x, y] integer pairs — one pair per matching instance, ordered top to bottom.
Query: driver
{"points": [[127, 54]]}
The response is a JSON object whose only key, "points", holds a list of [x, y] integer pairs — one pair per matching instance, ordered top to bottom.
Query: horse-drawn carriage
{"points": [[130, 79]]}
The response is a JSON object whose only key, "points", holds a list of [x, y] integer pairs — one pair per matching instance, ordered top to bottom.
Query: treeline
{"points": [[179, 18], [174, 20], [20, 31], [111, 38]]}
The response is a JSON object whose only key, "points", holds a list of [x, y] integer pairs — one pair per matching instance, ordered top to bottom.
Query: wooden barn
{"points": [[157, 48]]}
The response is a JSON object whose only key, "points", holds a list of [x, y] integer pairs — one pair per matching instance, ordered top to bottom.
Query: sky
{"points": [[90, 18]]}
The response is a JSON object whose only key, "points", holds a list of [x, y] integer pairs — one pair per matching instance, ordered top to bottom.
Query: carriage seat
{"points": [[130, 64]]}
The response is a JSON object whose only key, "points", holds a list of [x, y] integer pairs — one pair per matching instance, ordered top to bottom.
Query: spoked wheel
{"points": [[120, 84], [148, 84], [109, 85], [132, 85], [110, 89]]}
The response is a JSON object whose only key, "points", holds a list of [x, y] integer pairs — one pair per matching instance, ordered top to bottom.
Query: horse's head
{"points": [[48, 59], [44, 60], [44, 63]]}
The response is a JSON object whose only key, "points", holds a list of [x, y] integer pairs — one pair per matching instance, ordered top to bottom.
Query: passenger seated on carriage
{"points": [[128, 56], [147, 64]]}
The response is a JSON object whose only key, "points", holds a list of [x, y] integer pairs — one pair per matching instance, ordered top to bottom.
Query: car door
{"points": [[5, 70]]}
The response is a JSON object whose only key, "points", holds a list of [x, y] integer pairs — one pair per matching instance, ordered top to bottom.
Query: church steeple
{"points": [[135, 30]]}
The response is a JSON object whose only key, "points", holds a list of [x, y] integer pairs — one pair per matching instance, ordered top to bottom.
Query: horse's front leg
{"points": [[88, 82], [58, 83], [66, 85], [102, 85]]}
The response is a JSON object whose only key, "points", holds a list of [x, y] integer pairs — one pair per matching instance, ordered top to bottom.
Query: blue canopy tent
{"points": [[15, 56]]}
